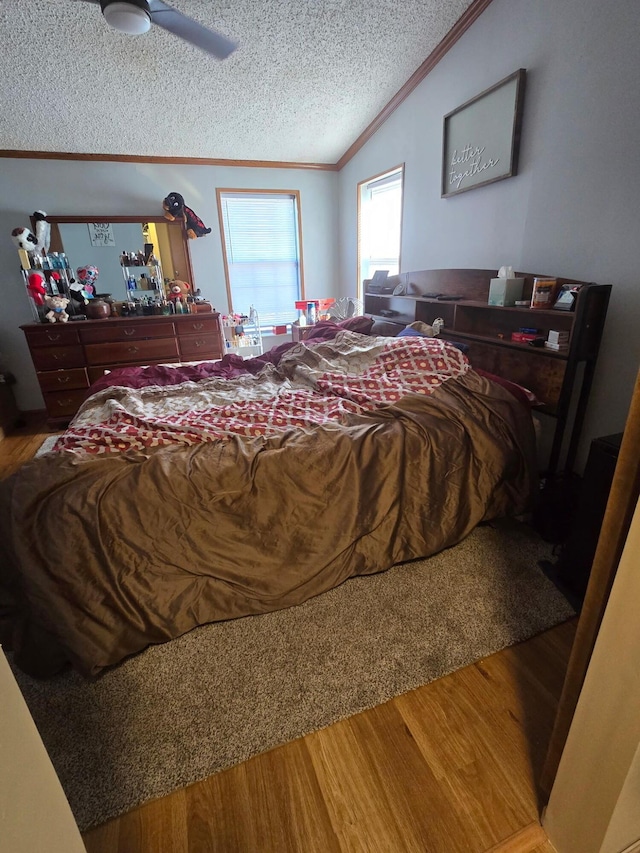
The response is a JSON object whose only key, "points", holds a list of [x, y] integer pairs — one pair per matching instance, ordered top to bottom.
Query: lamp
{"points": [[132, 17]]}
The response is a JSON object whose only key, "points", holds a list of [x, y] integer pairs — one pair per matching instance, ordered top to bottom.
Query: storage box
{"points": [[505, 291], [523, 337]]}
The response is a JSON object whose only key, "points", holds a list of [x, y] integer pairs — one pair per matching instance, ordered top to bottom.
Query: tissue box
{"points": [[505, 291]]}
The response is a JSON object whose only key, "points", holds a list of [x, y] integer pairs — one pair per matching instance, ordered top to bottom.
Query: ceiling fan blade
{"points": [[189, 30]]}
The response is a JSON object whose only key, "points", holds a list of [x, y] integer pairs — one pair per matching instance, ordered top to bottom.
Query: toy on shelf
{"points": [[175, 208], [43, 231], [87, 277], [37, 288], [57, 309]]}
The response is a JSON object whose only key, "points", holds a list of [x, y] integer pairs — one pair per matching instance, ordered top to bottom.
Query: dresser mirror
{"points": [[101, 241]]}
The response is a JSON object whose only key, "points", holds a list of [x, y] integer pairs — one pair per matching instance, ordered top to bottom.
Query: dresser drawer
{"points": [[197, 325], [134, 331], [54, 334], [200, 346], [128, 351], [54, 358], [96, 373], [59, 380], [63, 404]]}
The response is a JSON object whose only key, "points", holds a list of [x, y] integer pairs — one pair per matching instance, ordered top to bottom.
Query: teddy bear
{"points": [[175, 208], [36, 288], [178, 290], [56, 306]]}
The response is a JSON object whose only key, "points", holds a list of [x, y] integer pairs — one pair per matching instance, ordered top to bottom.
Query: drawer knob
{"points": [[198, 326], [129, 332], [51, 337], [200, 343], [132, 349], [55, 357], [63, 379], [64, 403]]}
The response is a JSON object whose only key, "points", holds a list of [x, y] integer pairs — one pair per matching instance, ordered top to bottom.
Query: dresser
{"points": [[68, 357]]}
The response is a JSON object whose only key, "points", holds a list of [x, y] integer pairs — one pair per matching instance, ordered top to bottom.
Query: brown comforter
{"points": [[402, 449]]}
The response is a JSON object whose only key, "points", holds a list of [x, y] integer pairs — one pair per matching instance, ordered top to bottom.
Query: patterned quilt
{"points": [[311, 385]]}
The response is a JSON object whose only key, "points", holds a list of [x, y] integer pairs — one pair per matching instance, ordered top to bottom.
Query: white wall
{"points": [[101, 189], [573, 210]]}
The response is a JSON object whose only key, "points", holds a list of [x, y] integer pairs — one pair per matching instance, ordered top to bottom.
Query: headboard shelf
{"points": [[552, 375]]}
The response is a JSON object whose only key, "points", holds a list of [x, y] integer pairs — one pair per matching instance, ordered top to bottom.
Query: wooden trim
{"points": [[459, 28], [170, 161], [360, 184], [295, 193], [105, 217], [224, 250], [623, 498], [526, 840]]}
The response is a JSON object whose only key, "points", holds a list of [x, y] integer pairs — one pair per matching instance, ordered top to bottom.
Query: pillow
{"points": [[327, 329], [414, 333], [523, 394]]}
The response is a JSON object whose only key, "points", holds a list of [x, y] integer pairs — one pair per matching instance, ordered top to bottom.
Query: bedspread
{"points": [[227, 498]]}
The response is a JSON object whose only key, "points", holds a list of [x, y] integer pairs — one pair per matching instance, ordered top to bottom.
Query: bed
{"points": [[189, 494]]}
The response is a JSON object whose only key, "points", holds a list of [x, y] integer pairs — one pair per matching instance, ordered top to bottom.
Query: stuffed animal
{"points": [[175, 208], [43, 231], [25, 239], [87, 276], [36, 288], [178, 289], [56, 306]]}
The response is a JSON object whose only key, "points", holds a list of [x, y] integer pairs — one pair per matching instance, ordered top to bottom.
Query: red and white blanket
{"points": [[311, 386]]}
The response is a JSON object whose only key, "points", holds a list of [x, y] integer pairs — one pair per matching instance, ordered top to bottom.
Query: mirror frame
{"points": [[56, 244]]}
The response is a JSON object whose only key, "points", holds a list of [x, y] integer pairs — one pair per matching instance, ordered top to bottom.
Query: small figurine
{"points": [[57, 308]]}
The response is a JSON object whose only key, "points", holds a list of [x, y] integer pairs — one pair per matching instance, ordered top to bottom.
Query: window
{"points": [[379, 224], [261, 243]]}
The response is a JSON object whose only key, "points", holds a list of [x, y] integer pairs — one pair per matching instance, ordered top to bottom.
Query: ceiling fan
{"points": [[136, 16]]}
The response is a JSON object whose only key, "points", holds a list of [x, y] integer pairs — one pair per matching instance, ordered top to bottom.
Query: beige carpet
{"points": [[181, 711]]}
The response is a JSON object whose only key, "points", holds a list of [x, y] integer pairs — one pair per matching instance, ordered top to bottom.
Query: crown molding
{"points": [[169, 161]]}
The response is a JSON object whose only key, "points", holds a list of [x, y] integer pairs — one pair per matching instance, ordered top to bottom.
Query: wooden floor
{"points": [[447, 768]]}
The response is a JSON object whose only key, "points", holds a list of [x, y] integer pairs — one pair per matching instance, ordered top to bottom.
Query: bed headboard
{"points": [[487, 330]]}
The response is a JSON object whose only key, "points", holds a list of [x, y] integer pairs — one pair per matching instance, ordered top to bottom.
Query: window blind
{"points": [[263, 257]]}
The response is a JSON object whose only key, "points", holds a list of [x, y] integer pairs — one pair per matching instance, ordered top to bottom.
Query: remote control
{"points": [[448, 298]]}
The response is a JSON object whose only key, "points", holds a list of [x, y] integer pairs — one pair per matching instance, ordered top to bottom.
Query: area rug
{"points": [[178, 712]]}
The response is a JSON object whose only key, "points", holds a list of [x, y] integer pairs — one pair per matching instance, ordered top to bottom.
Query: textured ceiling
{"points": [[306, 80]]}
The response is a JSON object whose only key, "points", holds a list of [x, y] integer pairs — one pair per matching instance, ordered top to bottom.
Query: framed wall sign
{"points": [[481, 138], [101, 233]]}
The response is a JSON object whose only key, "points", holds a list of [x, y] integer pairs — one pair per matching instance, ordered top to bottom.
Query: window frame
{"points": [[360, 185], [295, 194]]}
